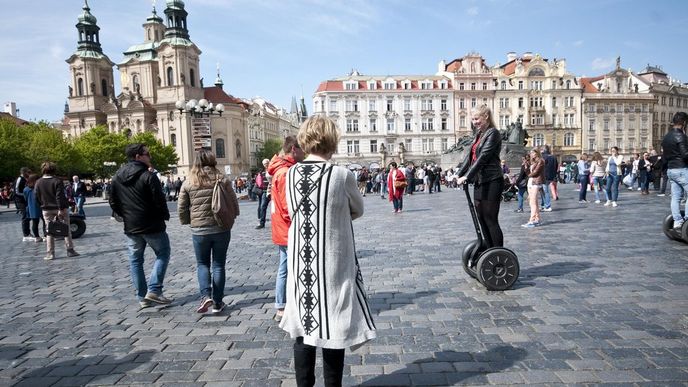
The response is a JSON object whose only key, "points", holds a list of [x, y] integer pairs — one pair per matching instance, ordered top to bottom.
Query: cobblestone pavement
{"points": [[602, 299]]}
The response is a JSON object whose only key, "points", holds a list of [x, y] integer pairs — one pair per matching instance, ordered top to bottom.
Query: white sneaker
{"points": [[639, 188], [597, 202], [607, 203], [614, 204], [28, 239]]}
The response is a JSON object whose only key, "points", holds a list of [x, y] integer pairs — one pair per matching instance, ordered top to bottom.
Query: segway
{"points": [[77, 225], [671, 232], [495, 267]]}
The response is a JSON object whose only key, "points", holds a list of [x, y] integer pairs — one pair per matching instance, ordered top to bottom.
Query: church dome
{"points": [[175, 4], [86, 17]]}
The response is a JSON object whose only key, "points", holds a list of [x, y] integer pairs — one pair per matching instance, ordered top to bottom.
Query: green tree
{"points": [[13, 142], [48, 144], [97, 146], [270, 148], [162, 156]]}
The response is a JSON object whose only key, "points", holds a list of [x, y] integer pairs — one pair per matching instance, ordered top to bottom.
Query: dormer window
{"points": [[350, 85], [372, 85], [390, 85], [406, 85], [426, 85], [443, 85]]}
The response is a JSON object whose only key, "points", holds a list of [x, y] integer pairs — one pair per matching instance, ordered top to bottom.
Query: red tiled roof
{"points": [[454, 65], [510, 67], [338, 85], [589, 86], [216, 95], [14, 119]]}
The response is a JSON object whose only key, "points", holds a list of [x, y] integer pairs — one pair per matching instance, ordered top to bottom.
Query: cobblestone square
{"points": [[601, 299]]}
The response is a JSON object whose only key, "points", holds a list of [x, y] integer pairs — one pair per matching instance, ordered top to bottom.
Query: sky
{"points": [[278, 49]]}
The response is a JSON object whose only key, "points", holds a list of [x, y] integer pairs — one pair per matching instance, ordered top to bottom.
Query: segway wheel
{"points": [[77, 226], [668, 228], [684, 232], [468, 251], [498, 268]]}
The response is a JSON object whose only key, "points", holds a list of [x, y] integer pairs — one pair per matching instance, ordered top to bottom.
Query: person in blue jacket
{"points": [[33, 208]]}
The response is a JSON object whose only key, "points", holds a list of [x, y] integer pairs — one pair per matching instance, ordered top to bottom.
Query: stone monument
{"points": [[514, 139]]}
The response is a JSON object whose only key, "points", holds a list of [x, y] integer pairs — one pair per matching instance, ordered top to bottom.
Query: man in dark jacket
{"points": [[675, 148], [551, 171], [49, 191], [79, 194], [136, 196], [20, 202]]}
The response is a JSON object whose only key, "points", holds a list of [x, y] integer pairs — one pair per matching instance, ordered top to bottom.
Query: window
{"points": [[170, 76], [192, 77], [568, 84], [351, 85], [372, 85], [390, 85], [407, 85], [426, 85], [443, 85], [472, 85], [484, 85], [502, 85], [520, 85], [536, 85], [554, 85], [461, 86], [80, 87], [103, 87], [485, 101], [535, 101], [568, 101], [474, 102], [520, 102], [554, 102], [462, 103], [504, 103], [407, 104], [426, 104], [443, 104], [333, 105], [351, 105], [372, 105], [390, 105], [591, 108], [537, 119], [555, 120], [568, 120], [462, 121], [504, 121], [407, 124], [443, 124], [619, 124], [352, 125], [373, 125], [390, 125], [427, 125], [606, 125], [173, 138], [538, 139], [619, 142], [408, 144], [428, 144], [445, 144], [591, 144], [373, 146], [352, 147], [220, 148], [237, 148], [390, 148]]}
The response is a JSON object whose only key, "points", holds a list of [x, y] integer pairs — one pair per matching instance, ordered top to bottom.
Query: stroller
{"points": [[510, 190]]}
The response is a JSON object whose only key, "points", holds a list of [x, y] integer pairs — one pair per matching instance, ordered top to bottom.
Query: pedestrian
{"points": [[675, 155], [481, 167], [505, 168], [583, 168], [612, 172], [635, 172], [597, 173], [645, 173], [535, 180], [362, 181], [522, 181], [383, 182], [396, 185], [549, 186], [177, 187], [49, 191], [79, 194], [263, 194], [138, 199], [20, 202], [33, 208], [280, 219], [210, 239], [327, 305]]}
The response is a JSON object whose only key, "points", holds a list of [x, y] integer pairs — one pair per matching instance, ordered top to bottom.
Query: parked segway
{"points": [[77, 224], [671, 232], [495, 267]]}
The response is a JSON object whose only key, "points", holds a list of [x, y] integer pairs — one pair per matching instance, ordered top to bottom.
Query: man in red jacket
{"points": [[277, 168]]}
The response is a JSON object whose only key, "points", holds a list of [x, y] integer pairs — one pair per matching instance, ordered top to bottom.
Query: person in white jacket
{"points": [[613, 172]]}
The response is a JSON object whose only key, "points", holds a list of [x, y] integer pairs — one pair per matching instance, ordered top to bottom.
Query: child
{"points": [[33, 209]]}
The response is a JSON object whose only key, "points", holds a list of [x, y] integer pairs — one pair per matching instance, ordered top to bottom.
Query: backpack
{"points": [[222, 206]]}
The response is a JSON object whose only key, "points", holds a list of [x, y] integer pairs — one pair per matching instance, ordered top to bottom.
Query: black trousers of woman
{"points": [[487, 199], [304, 365]]}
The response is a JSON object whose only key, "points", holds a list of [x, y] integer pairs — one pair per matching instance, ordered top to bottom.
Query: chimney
{"points": [[527, 55], [510, 56], [11, 108]]}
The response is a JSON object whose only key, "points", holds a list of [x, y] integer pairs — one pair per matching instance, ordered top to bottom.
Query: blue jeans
{"points": [[584, 181], [597, 185], [613, 186], [679, 186], [519, 195], [546, 198], [263, 201], [398, 203], [80, 204], [160, 243], [205, 246], [281, 281]]}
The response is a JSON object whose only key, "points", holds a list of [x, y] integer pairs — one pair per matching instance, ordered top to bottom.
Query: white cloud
{"points": [[472, 11], [578, 43], [602, 63]]}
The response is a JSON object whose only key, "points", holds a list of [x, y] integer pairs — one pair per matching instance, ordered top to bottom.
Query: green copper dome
{"points": [[175, 4], [86, 17]]}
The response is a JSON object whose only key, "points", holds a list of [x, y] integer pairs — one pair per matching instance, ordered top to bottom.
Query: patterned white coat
{"points": [[326, 300]]}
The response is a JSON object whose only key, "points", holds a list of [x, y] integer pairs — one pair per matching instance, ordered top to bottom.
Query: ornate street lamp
{"points": [[202, 108]]}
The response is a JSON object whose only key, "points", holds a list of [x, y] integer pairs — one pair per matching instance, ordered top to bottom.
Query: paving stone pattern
{"points": [[601, 300]]}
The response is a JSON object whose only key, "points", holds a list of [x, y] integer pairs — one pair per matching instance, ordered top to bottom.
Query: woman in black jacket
{"points": [[482, 168], [522, 181]]}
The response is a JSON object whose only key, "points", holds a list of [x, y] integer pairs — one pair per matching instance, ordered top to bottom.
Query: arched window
{"points": [[149, 34], [472, 67], [536, 72], [170, 76], [192, 76], [135, 82], [568, 84], [103, 85], [503, 85], [80, 87], [171, 115], [138, 126], [173, 139], [538, 139], [568, 139], [237, 146], [220, 148]]}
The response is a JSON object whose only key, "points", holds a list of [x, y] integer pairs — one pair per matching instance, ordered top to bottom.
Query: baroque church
{"points": [[160, 84]]}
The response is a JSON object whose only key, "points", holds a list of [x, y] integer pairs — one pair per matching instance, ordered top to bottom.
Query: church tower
{"points": [[91, 77]]}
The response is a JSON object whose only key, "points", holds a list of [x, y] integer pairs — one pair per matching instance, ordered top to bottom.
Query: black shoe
{"points": [[258, 227]]}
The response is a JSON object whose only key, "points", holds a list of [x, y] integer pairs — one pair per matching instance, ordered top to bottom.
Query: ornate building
{"points": [[159, 77], [671, 96], [383, 118]]}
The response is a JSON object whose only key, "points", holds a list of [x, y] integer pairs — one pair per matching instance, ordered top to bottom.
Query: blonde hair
{"points": [[485, 111], [318, 135], [199, 175]]}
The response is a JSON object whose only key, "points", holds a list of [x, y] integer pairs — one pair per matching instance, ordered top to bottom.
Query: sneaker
{"points": [[630, 188], [639, 189], [661, 195], [582, 201], [597, 202], [608, 203], [614, 204], [548, 209], [518, 210], [528, 225], [678, 225], [258, 227], [28, 239], [72, 253], [49, 257], [157, 298], [206, 303], [145, 304], [218, 307], [279, 315]]}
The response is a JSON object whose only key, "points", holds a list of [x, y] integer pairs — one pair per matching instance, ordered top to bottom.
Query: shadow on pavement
{"points": [[554, 270], [391, 300], [12, 352], [76, 367], [441, 369]]}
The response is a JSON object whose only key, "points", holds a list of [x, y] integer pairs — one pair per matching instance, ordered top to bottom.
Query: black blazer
{"points": [[487, 164]]}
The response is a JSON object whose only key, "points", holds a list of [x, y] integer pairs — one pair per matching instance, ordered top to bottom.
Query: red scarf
{"points": [[474, 147]]}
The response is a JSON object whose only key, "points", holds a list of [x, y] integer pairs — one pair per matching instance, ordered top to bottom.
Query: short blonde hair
{"points": [[318, 135]]}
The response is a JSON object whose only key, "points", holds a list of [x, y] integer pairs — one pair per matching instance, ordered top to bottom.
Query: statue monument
{"points": [[514, 139], [383, 155]]}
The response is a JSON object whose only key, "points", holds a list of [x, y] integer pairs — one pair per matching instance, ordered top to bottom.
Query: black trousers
{"points": [[304, 365]]}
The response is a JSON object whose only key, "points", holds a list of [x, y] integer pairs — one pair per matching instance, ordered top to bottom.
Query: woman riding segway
{"points": [[485, 258]]}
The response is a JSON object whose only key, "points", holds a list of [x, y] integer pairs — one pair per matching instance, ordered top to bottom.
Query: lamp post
{"points": [[200, 111]]}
